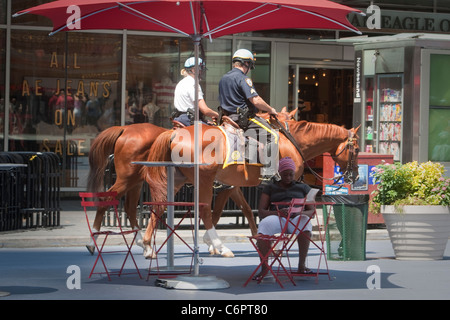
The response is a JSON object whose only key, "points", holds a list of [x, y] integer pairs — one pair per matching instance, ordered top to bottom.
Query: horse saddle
{"points": [[242, 149]]}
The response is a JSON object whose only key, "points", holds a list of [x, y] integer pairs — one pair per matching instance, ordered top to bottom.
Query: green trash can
{"points": [[347, 226]]}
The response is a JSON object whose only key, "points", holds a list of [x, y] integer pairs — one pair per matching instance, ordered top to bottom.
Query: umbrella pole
{"points": [[196, 157], [195, 281]]}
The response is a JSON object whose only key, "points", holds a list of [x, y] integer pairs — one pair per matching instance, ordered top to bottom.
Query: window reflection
{"points": [[3, 13], [29, 19], [218, 62], [153, 67], [94, 68], [261, 74], [33, 82], [2, 85], [63, 93]]}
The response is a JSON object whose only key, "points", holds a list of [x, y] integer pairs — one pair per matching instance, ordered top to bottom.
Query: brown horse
{"points": [[313, 138], [127, 143], [132, 143]]}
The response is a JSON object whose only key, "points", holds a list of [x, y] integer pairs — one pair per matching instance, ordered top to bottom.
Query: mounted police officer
{"points": [[184, 99], [239, 99]]}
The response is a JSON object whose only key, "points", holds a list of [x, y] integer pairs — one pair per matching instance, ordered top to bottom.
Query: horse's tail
{"points": [[101, 149], [157, 176]]}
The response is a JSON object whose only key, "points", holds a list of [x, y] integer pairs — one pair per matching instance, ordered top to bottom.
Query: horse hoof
{"points": [[140, 243], [91, 249], [213, 251], [149, 253], [227, 254]]}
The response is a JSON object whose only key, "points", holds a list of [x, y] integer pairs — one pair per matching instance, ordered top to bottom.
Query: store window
{"points": [[3, 13], [29, 19], [217, 56], [153, 70], [261, 74], [33, 81], [93, 85], [2, 86], [65, 89], [323, 95], [439, 117]]}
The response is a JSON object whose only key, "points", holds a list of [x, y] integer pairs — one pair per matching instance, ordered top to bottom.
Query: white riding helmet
{"points": [[244, 56], [190, 62]]}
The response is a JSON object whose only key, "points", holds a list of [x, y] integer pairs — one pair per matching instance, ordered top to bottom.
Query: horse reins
{"points": [[285, 130], [352, 154]]}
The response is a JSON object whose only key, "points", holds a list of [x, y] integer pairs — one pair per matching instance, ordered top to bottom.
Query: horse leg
{"points": [[238, 197], [219, 203], [130, 207], [156, 213], [211, 234], [217, 244], [90, 246], [149, 253]]}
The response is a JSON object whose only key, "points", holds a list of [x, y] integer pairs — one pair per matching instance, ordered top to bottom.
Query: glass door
{"points": [[321, 95]]}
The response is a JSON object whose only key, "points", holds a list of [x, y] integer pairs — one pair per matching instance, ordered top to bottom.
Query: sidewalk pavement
{"points": [[73, 231], [38, 264]]}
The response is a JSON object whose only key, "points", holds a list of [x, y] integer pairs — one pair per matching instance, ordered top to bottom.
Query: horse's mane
{"points": [[314, 130], [101, 149]]}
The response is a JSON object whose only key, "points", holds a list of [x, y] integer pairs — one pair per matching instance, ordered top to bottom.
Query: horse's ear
{"points": [[283, 110], [292, 113], [357, 128]]}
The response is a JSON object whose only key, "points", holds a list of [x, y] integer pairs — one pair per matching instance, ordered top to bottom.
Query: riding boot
{"points": [[251, 150], [269, 161], [219, 187]]}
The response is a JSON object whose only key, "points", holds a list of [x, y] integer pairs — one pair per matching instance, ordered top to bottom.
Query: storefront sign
{"points": [[398, 21], [358, 62], [65, 98]]}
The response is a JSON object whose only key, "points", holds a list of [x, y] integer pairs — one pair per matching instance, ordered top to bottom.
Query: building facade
{"points": [[58, 92]]}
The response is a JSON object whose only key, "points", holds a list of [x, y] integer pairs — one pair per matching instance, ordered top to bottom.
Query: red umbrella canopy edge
{"points": [[207, 18]]}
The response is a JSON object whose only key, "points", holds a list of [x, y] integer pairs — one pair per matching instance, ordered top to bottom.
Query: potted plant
{"points": [[414, 200]]}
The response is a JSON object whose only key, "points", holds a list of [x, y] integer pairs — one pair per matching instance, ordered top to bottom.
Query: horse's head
{"points": [[282, 115], [285, 115], [346, 156]]}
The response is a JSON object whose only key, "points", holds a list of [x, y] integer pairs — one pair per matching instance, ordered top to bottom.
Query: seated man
{"points": [[284, 191]]}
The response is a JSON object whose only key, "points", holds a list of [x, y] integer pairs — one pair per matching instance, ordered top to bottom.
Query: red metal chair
{"points": [[108, 199], [279, 243], [319, 243]]}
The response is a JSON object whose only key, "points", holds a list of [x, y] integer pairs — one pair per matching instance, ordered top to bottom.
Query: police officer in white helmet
{"points": [[184, 99]]}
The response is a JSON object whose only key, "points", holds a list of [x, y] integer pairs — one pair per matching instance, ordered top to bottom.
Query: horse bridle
{"points": [[353, 154], [352, 158]]}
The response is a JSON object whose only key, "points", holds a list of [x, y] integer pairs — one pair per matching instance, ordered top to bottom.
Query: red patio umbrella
{"points": [[213, 18], [196, 19]]}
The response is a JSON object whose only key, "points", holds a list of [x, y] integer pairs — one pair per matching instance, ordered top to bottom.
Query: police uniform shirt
{"points": [[235, 88], [185, 94]]}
